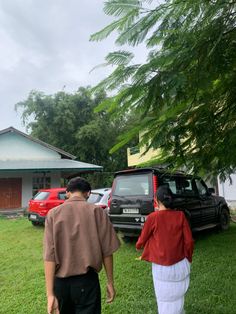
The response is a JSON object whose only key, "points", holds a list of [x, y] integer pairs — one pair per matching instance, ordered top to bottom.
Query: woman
{"points": [[167, 241]]}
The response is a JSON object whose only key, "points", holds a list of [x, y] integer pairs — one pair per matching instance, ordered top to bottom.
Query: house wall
{"points": [[17, 147], [142, 156], [139, 158], [27, 182], [228, 190]]}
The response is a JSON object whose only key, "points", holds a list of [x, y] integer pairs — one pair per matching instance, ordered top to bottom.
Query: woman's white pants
{"points": [[170, 284]]}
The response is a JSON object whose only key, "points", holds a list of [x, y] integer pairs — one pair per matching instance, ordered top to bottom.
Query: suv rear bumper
{"points": [[36, 217], [130, 225], [129, 230]]}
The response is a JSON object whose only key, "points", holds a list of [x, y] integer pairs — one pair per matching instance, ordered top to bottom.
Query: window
{"points": [[41, 183], [170, 183], [130, 185], [179, 185], [187, 186], [202, 190], [41, 196], [62, 196], [94, 198]]}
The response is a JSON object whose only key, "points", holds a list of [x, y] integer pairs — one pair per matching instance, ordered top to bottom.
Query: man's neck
{"points": [[78, 194]]}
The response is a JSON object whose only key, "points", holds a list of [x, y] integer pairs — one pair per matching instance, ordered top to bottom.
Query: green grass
{"points": [[212, 288]]}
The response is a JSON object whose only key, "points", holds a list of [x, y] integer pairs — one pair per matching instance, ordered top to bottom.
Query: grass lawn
{"points": [[213, 278]]}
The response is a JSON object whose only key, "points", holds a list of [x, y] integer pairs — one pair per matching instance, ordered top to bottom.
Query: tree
{"points": [[185, 93], [68, 121]]}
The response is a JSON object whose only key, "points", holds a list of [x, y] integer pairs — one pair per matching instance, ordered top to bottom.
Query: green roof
{"points": [[65, 165]]}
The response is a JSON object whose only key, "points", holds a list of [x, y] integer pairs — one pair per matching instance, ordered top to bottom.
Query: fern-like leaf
{"points": [[121, 7], [119, 57]]}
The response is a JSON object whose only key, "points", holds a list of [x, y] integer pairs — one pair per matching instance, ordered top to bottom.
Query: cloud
{"points": [[46, 46]]}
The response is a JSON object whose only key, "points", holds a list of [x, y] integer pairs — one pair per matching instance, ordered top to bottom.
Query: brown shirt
{"points": [[77, 236]]}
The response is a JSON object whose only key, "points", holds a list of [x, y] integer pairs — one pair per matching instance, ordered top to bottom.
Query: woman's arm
{"points": [[146, 232]]}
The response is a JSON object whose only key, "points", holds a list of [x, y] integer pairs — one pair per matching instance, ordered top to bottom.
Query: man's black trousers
{"points": [[79, 294]]}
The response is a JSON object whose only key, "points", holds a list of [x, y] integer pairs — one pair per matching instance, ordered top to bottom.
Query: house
{"points": [[138, 155], [28, 164], [227, 189]]}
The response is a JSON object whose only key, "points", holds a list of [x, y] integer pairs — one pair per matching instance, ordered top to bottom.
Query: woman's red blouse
{"points": [[166, 238]]}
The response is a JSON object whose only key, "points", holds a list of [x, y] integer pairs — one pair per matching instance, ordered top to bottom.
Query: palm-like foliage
{"points": [[185, 93]]}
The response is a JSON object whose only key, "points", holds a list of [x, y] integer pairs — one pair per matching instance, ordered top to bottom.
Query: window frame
{"points": [[179, 179], [40, 183], [204, 185]]}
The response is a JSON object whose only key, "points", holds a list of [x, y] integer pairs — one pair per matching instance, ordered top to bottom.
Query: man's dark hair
{"points": [[78, 185]]}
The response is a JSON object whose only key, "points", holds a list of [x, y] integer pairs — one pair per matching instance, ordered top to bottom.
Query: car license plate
{"points": [[130, 210], [33, 216]]}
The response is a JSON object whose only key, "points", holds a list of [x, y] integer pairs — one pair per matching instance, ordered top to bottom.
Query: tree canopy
{"points": [[184, 94], [68, 121]]}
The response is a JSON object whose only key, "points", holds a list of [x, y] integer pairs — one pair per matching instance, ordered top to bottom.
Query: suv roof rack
{"points": [[160, 168]]}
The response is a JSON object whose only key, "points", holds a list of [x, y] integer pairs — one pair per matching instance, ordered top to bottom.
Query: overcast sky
{"points": [[45, 46]]}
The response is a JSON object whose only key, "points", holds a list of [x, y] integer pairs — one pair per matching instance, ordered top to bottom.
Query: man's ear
{"points": [[87, 194]]}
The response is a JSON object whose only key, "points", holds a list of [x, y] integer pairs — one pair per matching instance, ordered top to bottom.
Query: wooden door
{"points": [[10, 193]]}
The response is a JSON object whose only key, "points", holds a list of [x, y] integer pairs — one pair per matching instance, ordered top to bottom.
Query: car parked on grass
{"points": [[100, 197], [133, 198], [47, 199], [42, 202]]}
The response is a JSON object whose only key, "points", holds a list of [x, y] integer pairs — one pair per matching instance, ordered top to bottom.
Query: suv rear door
{"points": [[132, 197], [192, 201], [208, 203]]}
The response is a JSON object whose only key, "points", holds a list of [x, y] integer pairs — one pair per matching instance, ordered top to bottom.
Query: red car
{"points": [[47, 199], [42, 202]]}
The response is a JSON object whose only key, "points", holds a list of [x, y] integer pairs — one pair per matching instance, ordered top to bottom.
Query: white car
{"points": [[100, 197]]}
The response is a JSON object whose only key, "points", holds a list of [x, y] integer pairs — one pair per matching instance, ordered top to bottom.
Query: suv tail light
{"points": [[155, 185]]}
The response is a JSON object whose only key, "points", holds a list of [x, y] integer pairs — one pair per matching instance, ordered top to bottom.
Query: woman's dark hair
{"points": [[78, 185], [165, 196]]}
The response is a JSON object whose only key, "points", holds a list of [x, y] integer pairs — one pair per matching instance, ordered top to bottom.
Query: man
{"points": [[78, 239]]}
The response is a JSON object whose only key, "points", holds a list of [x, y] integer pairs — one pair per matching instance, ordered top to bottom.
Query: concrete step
{"points": [[12, 213]]}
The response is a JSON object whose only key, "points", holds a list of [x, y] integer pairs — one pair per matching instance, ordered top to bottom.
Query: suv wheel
{"points": [[224, 219], [127, 239]]}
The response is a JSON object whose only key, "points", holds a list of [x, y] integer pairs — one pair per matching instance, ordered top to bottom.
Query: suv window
{"points": [[171, 183], [131, 185], [180, 185], [188, 188], [202, 190]]}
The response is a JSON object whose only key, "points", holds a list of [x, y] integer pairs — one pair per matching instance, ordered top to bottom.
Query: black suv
{"points": [[132, 199]]}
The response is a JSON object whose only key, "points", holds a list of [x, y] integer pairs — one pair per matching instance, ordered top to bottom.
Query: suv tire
{"points": [[224, 219], [127, 239]]}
